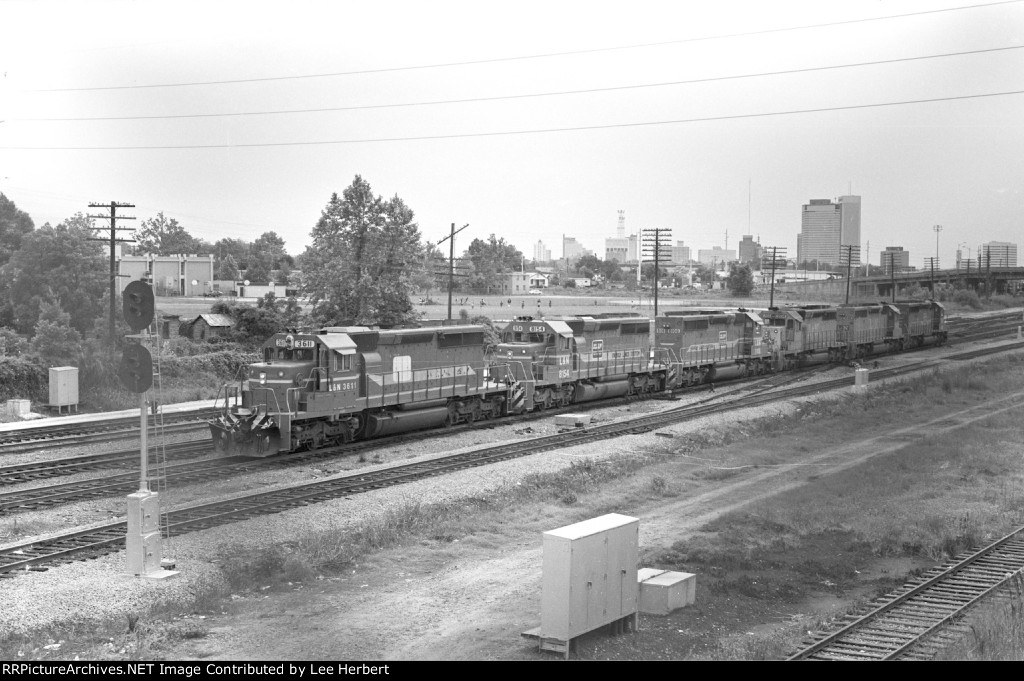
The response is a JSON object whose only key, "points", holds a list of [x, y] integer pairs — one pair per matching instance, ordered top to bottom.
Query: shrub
{"points": [[967, 298]]}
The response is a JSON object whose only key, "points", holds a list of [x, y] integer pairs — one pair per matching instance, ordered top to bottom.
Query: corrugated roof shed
{"points": [[215, 320]]}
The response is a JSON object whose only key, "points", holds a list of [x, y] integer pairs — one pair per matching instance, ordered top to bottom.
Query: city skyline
{"points": [[237, 119]]}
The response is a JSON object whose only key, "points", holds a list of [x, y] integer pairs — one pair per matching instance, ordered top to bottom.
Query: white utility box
{"points": [[860, 378], [64, 387], [17, 407], [572, 420], [589, 576], [662, 591]]}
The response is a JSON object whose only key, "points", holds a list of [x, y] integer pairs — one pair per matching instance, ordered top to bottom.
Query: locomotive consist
{"points": [[340, 384]]}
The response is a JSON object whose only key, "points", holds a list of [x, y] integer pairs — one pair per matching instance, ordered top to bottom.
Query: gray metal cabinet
{"points": [[589, 575]]}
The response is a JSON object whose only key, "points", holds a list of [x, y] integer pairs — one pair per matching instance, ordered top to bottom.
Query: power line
{"points": [[546, 55], [557, 93], [526, 132]]}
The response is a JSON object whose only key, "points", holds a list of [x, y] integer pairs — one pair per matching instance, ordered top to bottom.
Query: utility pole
{"points": [[937, 228], [114, 229], [655, 240], [847, 253], [891, 255], [778, 258], [451, 262], [932, 263]]}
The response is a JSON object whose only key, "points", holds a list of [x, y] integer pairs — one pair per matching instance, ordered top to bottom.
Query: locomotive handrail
{"points": [[265, 403]]}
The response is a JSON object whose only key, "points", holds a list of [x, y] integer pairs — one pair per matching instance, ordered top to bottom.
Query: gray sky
{"points": [[633, 146]]}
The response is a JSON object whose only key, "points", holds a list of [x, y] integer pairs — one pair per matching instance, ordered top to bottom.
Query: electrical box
{"points": [[64, 387], [590, 575]]}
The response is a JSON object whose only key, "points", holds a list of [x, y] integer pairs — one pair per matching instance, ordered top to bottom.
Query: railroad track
{"points": [[767, 389], [45, 436], [41, 470], [83, 544], [925, 615]]}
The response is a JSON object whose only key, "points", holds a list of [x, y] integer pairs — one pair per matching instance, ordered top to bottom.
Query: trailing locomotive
{"points": [[563, 360], [340, 384]]}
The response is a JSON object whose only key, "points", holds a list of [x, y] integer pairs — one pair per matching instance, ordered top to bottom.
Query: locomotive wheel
{"points": [[452, 417]]}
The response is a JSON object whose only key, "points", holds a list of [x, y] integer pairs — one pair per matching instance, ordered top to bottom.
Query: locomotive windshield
{"points": [[286, 355]]}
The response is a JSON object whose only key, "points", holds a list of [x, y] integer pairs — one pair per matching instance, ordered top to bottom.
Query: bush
{"points": [[967, 298], [21, 378]]}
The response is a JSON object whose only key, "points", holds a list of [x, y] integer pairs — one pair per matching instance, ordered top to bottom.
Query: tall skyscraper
{"points": [[825, 227], [541, 253]]}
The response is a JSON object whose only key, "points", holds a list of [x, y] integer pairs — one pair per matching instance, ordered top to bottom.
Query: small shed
{"points": [[209, 325]]}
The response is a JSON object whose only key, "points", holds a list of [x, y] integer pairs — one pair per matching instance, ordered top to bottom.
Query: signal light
{"points": [[137, 305], [136, 370]]}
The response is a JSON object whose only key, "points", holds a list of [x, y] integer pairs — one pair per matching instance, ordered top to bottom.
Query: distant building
{"points": [[825, 227], [573, 250], [623, 250], [750, 252], [541, 253], [680, 254], [997, 254], [716, 256], [894, 257], [172, 275], [514, 283]]}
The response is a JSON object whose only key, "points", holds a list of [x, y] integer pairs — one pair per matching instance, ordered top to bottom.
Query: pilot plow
{"points": [[245, 432]]}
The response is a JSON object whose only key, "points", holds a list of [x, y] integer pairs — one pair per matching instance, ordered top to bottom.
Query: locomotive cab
{"points": [[529, 346], [270, 388]]}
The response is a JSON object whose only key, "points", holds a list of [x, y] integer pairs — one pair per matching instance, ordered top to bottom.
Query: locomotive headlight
{"points": [[280, 374], [263, 378]]}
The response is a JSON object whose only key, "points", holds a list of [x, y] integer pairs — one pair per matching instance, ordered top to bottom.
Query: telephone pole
{"points": [[114, 229], [655, 242], [846, 257], [451, 262]]}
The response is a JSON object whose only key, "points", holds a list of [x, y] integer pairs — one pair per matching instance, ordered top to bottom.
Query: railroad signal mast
{"points": [[143, 542]]}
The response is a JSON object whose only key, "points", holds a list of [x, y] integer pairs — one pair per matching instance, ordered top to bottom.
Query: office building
{"points": [[825, 227], [997, 254], [894, 257]]}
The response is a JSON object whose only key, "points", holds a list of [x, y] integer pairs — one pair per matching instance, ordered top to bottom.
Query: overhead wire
{"points": [[545, 55], [556, 93], [499, 133]]}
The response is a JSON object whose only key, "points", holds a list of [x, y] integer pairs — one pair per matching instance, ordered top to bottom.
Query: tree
{"points": [[14, 224], [163, 236], [235, 249], [266, 254], [491, 258], [56, 264], [227, 269], [356, 271], [704, 274], [740, 280], [55, 341]]}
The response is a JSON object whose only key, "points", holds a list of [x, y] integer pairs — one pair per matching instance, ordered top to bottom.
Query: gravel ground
{"points": [[100, 588]]}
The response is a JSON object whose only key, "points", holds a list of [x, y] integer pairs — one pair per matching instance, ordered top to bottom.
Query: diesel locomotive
{"points": [[339, 384]]}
